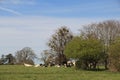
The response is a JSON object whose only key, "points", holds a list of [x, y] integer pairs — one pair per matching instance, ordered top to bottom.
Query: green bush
{"points": [[114, 56]]}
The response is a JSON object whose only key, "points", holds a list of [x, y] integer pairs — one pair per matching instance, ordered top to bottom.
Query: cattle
{"points": [[71, 63], [27, 65], [37, 65], [57, 65]]}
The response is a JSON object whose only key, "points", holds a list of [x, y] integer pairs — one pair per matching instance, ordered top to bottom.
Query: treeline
{"points": [[96, 44], [26, 55]]}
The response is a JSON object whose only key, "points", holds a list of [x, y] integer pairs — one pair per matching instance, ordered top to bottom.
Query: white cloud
{"points": [[18, 2], [10, 11], [19, 32]]}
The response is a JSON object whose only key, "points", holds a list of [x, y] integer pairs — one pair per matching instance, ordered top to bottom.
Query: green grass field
{"points": [[16, 72]]}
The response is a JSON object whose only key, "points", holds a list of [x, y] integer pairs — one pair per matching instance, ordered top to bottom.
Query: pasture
{"points": [[17, 72]]}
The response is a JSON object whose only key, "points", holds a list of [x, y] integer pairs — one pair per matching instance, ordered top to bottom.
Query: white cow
{"points": [[71, 63], [27, 65], [37, 65], [57, 65]]}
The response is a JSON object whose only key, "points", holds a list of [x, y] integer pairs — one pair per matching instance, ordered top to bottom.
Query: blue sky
{"points": [[62, 8], [30, 23]]}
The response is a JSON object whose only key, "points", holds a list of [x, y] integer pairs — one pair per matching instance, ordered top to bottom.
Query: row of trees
{"points": [[97, 43], [26, 55], [54, 56]]}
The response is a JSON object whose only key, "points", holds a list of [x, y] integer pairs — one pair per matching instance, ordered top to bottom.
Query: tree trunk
{"points": [[62, 59], [106, 63]]}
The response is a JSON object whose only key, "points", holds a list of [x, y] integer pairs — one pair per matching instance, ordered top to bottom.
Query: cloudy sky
{"points": [[30, 23]]}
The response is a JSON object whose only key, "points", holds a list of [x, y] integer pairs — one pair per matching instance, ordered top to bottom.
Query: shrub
{"points": [[114, 57]]}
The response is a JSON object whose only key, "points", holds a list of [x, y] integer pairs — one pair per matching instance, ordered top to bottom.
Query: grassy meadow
{"points": [[17, 72]]}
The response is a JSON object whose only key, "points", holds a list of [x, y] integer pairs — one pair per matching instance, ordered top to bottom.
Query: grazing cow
{"points": [[69, 63], [74, 63], [27, 65], [37, 65], [41, 65], [57, 65], [65, 65]]}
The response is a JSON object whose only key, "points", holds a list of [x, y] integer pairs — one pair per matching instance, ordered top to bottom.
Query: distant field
{"points": [[9, 72]]}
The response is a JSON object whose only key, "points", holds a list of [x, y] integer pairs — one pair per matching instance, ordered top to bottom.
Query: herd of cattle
{"points": [[68, 64]]}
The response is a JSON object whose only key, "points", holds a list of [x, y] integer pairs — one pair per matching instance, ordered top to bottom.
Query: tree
{"points": [[106, 31], [58, 42], [87, 51], [26, 55], [44, 55], [47, 56], [114, 56], [10, 58], [3, 59], [7, 59]]}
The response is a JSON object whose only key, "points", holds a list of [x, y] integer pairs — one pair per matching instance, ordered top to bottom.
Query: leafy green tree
{"points": [[87, 51], [114, 56]]}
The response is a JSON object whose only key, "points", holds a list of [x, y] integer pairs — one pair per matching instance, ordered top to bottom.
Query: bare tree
{"points": [[106, 31], [58, 41], [26, 55], [44, 55], [48, 57]]}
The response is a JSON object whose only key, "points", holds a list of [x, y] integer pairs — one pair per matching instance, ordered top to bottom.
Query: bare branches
{"points": [[106, 31], [58, 41], [25, 55]]}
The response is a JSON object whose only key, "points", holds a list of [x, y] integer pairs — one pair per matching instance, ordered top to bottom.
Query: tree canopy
{"points": [[87, 50], [114, 56]]}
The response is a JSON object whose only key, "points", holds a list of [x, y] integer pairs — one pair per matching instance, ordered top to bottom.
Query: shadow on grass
{"points": [[96, 69], [100, 69]]}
